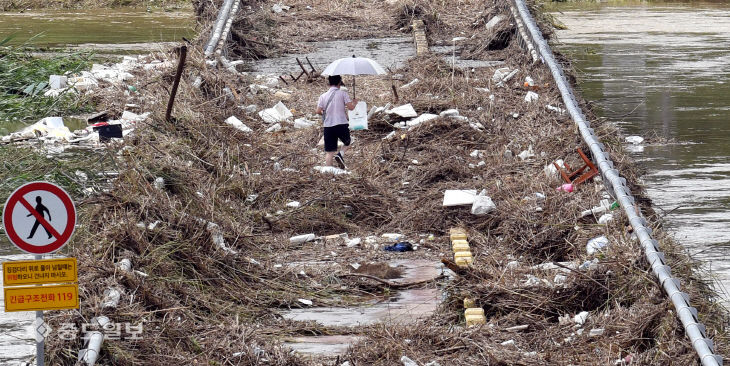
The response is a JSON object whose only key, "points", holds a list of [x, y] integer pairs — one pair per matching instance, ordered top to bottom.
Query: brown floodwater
{"points": [[59, 28], [663, 70]]}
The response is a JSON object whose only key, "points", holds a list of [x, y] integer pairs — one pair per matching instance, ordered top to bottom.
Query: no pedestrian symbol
{"points": [[39, 217]]}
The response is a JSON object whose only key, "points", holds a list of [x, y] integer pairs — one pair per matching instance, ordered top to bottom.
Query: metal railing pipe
{"points": [[695, 331]]}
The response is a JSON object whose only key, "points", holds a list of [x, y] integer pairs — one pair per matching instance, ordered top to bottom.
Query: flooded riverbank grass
{"points": [[24, 80]]}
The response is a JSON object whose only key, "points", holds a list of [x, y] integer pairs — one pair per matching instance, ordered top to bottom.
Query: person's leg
{"points": [[343, 134], [330, 145], [329, 160]]}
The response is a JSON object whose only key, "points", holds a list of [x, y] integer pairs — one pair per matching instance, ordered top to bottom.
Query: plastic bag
{"points": [[358, 117]]}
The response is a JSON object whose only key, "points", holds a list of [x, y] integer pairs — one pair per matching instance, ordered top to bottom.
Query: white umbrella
{"points": [[354, 66]]}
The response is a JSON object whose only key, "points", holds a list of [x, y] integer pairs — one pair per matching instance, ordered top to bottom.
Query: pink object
{"points": [[567, 187]]}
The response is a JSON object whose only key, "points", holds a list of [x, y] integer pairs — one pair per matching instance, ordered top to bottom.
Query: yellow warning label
{"points": [[39, 271], [41, 298]]}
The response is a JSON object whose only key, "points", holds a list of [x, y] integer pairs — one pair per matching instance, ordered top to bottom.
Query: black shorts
{"points": [[331, 134]]}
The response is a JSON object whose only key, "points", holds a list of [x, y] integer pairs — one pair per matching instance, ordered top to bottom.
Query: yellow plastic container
{"points": [[457, 234], [460, 246], [463, 258], [469, 303], [474, 316]]}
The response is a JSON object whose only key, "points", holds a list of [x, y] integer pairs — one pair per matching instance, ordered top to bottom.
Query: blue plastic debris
{"points": [[403, 246]]}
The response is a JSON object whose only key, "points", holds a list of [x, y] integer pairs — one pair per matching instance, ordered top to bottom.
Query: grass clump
{"points": [[24, 80]]}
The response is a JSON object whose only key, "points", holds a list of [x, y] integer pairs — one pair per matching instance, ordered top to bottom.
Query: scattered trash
{"points": [[279, 8], [494, 21], [503, 75], [57, 82], [529, 82], [410, 84], [282, 95], [531, 97], [252, 108], [555, 109], [405, 111], [277, 113], [449, 113], [420, 119], [303, 123], [237, 124], [275, 127], [107, 131], [634, 139], [526, 154], [330, 170], [159, 183], [567, 187], [459, 197], [293, 204], [482, 204], [601, 208], [605, 219], [216, 236], [390, 236], [302, 238], [353, 242], [596, 244], [403, 246], [125, 265], [512, 265], [587, 265], [559, 279], [111, 298], [306, 302], [474, 316], [580, 318], [517, 328], [595, 332], [510, 342], [407, 361]]}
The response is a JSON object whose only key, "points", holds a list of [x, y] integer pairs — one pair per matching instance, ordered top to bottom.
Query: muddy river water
{"points": [[663, 70]]}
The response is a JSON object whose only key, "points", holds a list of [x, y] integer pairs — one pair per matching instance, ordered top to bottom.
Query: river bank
{"points": [[672, 93], [203, 210]]}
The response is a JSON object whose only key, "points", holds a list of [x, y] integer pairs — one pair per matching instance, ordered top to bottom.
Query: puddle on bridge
{"points": [[404, 307]]}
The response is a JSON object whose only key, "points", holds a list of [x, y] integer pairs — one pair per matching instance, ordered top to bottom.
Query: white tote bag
{"points": [[358, 117]]}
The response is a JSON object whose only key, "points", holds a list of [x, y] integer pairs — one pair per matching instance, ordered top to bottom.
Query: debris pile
{"points": [[232, 219]]}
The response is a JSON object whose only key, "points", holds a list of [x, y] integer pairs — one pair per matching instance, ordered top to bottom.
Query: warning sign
{"points": [[39, 217], [39, 271], [41, 298]]}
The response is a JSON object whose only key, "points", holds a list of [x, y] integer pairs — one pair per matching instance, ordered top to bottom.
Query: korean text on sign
{"points": [[41, 298]]}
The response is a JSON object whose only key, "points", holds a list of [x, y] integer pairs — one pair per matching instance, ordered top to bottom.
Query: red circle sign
{"points": [[43, 227]]}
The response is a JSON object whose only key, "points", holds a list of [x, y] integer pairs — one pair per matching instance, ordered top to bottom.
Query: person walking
{"points": [[331, 106]]}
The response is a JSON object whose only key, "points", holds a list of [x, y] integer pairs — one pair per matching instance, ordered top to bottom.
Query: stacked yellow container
{"points": [[460, 246], [473, 314]]}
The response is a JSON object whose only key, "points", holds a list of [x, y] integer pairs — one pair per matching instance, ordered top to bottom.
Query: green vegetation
{"points": [[12, 5], [24, 80], [20, 165]]}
